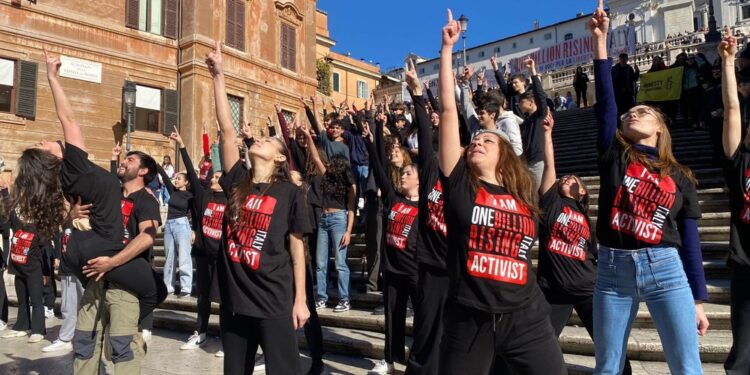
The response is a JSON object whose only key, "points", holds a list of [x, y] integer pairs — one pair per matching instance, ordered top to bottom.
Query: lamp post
{"points": [[464, 26], [713, 35], [128, 93]]}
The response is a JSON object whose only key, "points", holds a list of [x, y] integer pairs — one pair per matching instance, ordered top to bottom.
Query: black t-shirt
{"points": [[532, 130], [737, 174], [83, 179], [336, 200], [179, 204], [138, 207], [638, 208], [209, 225], [433, 230], [401, 234], [490, 235], [567, 247], [26, 249], [61, 249], [256, 270]]}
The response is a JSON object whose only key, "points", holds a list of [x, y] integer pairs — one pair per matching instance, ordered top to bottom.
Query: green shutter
{"points": [[26, 94], [171, 111]]}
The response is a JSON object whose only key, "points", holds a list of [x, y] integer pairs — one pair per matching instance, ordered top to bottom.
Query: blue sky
{"points": [[385, 31]]}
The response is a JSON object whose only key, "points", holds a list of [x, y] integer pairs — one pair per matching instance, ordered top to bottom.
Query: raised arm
{"points": [[500, 76], [433, 101], [605, 107], [732, 118], [71, 129], [285, 133], [206, 142], [450, 142], [116, 151], [229, 152], [314, 152], [378, 169], [549, 175], [165, 179], [195, 183]]}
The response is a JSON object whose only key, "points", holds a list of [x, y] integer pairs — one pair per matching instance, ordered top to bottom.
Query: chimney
{"points": [[536, 24]]}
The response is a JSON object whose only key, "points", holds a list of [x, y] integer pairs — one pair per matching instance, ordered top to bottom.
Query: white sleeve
{"points": [[513, 130]]}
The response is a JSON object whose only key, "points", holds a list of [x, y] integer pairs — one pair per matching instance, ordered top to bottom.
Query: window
{"points": [[745, 12], [153, 16], [235, 33], [548, 36], [569, 36], [531, 40], [514, 44], [288, 47], [497, 49], [481, 54], [436, 67], [421, 70], [336, 83], [18, 87], [362, 91], [147, 108], [235, 109]]}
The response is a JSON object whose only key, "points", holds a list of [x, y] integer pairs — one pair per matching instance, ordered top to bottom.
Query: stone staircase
{"points": [[360, 332]]}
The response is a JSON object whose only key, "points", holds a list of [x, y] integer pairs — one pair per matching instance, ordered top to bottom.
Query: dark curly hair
{"points": [[338, 177], [37, 195]]}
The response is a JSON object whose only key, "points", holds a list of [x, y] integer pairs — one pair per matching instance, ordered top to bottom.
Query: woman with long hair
{"points": [[336, 190], [649, 246], [262, 267], [494, 304]]}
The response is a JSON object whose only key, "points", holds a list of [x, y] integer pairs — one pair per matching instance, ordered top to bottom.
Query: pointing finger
{"points": [[600, 6], [450, 15], [218, 46], [46, 54]]}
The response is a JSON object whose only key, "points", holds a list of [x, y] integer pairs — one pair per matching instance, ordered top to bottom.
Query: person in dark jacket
{"points": [[624, 78], [580, 85]]}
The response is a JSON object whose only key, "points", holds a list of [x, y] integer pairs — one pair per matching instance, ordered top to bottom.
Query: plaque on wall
{"points": [[83, 70]]}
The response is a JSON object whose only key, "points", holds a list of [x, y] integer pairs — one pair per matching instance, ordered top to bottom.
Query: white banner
{"points": [[559, 56], [83, 70], [6, 72], [148, 98]]}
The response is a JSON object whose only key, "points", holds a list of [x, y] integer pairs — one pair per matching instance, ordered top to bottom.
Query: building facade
{"points": [[160, 45]]}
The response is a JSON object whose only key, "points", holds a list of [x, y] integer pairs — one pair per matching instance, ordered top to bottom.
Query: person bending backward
{"points": [[736, 169], [401, 207], [207, 211], [647, 229], [97, 246], [567, 257], [262, 268], [432, 281], [494, 305]]}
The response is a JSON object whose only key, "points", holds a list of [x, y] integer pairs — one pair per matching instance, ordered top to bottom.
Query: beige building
{"points": [[160, 45]]}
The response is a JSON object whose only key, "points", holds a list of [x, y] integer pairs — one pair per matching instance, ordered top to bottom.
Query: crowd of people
{"points": [[452, 194]]}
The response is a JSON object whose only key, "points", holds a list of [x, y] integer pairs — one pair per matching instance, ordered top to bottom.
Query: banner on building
{"points": [[559, 56], [661, 86]]}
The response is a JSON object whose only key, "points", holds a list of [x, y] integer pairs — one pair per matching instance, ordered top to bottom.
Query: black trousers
{"points": [[581, 94], [624, 101], [690, 105], [374, 237], [205, 273], [50, 287], [396, 290], [29, 292], [432, 293], [3, 299], [313, 329], [241, 335], [524, 338], [738, 361]]}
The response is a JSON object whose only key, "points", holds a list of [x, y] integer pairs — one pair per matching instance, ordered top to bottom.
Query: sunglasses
{"points": [[638, 112]]}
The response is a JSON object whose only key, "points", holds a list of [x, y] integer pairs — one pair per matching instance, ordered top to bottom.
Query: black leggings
{"points": [[581, 94], [205, 274], [136, 275], [396, 289], [432, 292], [29, 293], [313, 330], [241, 335], [524, 338], [738, 361]]}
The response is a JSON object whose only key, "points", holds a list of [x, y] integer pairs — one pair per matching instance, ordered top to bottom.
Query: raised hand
{"points": [[599, 23], [451, 31], [727, 49], [493, 61], [215, 62], [529, 63], [53, 64], [467, 74], [480, 76], [412, 79], [276, 107], [549, 122], [247, 131], [366, 133], [175, 136], [116, 151]]}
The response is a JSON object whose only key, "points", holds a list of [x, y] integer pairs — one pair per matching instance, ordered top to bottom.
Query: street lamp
{"points": [[464, 21], [128, 94]]}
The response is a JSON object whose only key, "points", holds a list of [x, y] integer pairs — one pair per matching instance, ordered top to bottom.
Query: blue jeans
{"points": [[361, 172], [164, 194], [331, 229], [177, 239], [653, 275]]}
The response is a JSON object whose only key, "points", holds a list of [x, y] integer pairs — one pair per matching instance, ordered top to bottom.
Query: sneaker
{"points": [[361, 203], [183, 294], [320, 304], [343, 306], [378, 310], [48, 313], [3, 326], [12, 334], [146, 335], [34, 338], [195, 341], [58, 345], [219, 354], [260, 362], [383, 368]]}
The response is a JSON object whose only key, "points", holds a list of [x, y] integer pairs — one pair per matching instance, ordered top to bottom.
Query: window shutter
{"points": [[132, 8], [170, 18], [239, 24], [230, 32], [292, 48], [26, 94], [171, 111]]}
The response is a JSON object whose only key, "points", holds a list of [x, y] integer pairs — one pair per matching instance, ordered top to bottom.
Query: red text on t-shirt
{"points": [[126, 206], [435, 210], [745, 213], [212, 219], [400, 221], [570, 235], [245, 242], [19, 250]]}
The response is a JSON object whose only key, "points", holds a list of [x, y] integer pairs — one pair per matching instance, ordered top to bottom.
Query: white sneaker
{"points": [[361, 203], [48, 313], [3, 326], [12, 334], [146, 335], [34, 338], [194, 342], [58, 345], [219, 354], [260, 362], [383, 368]]}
